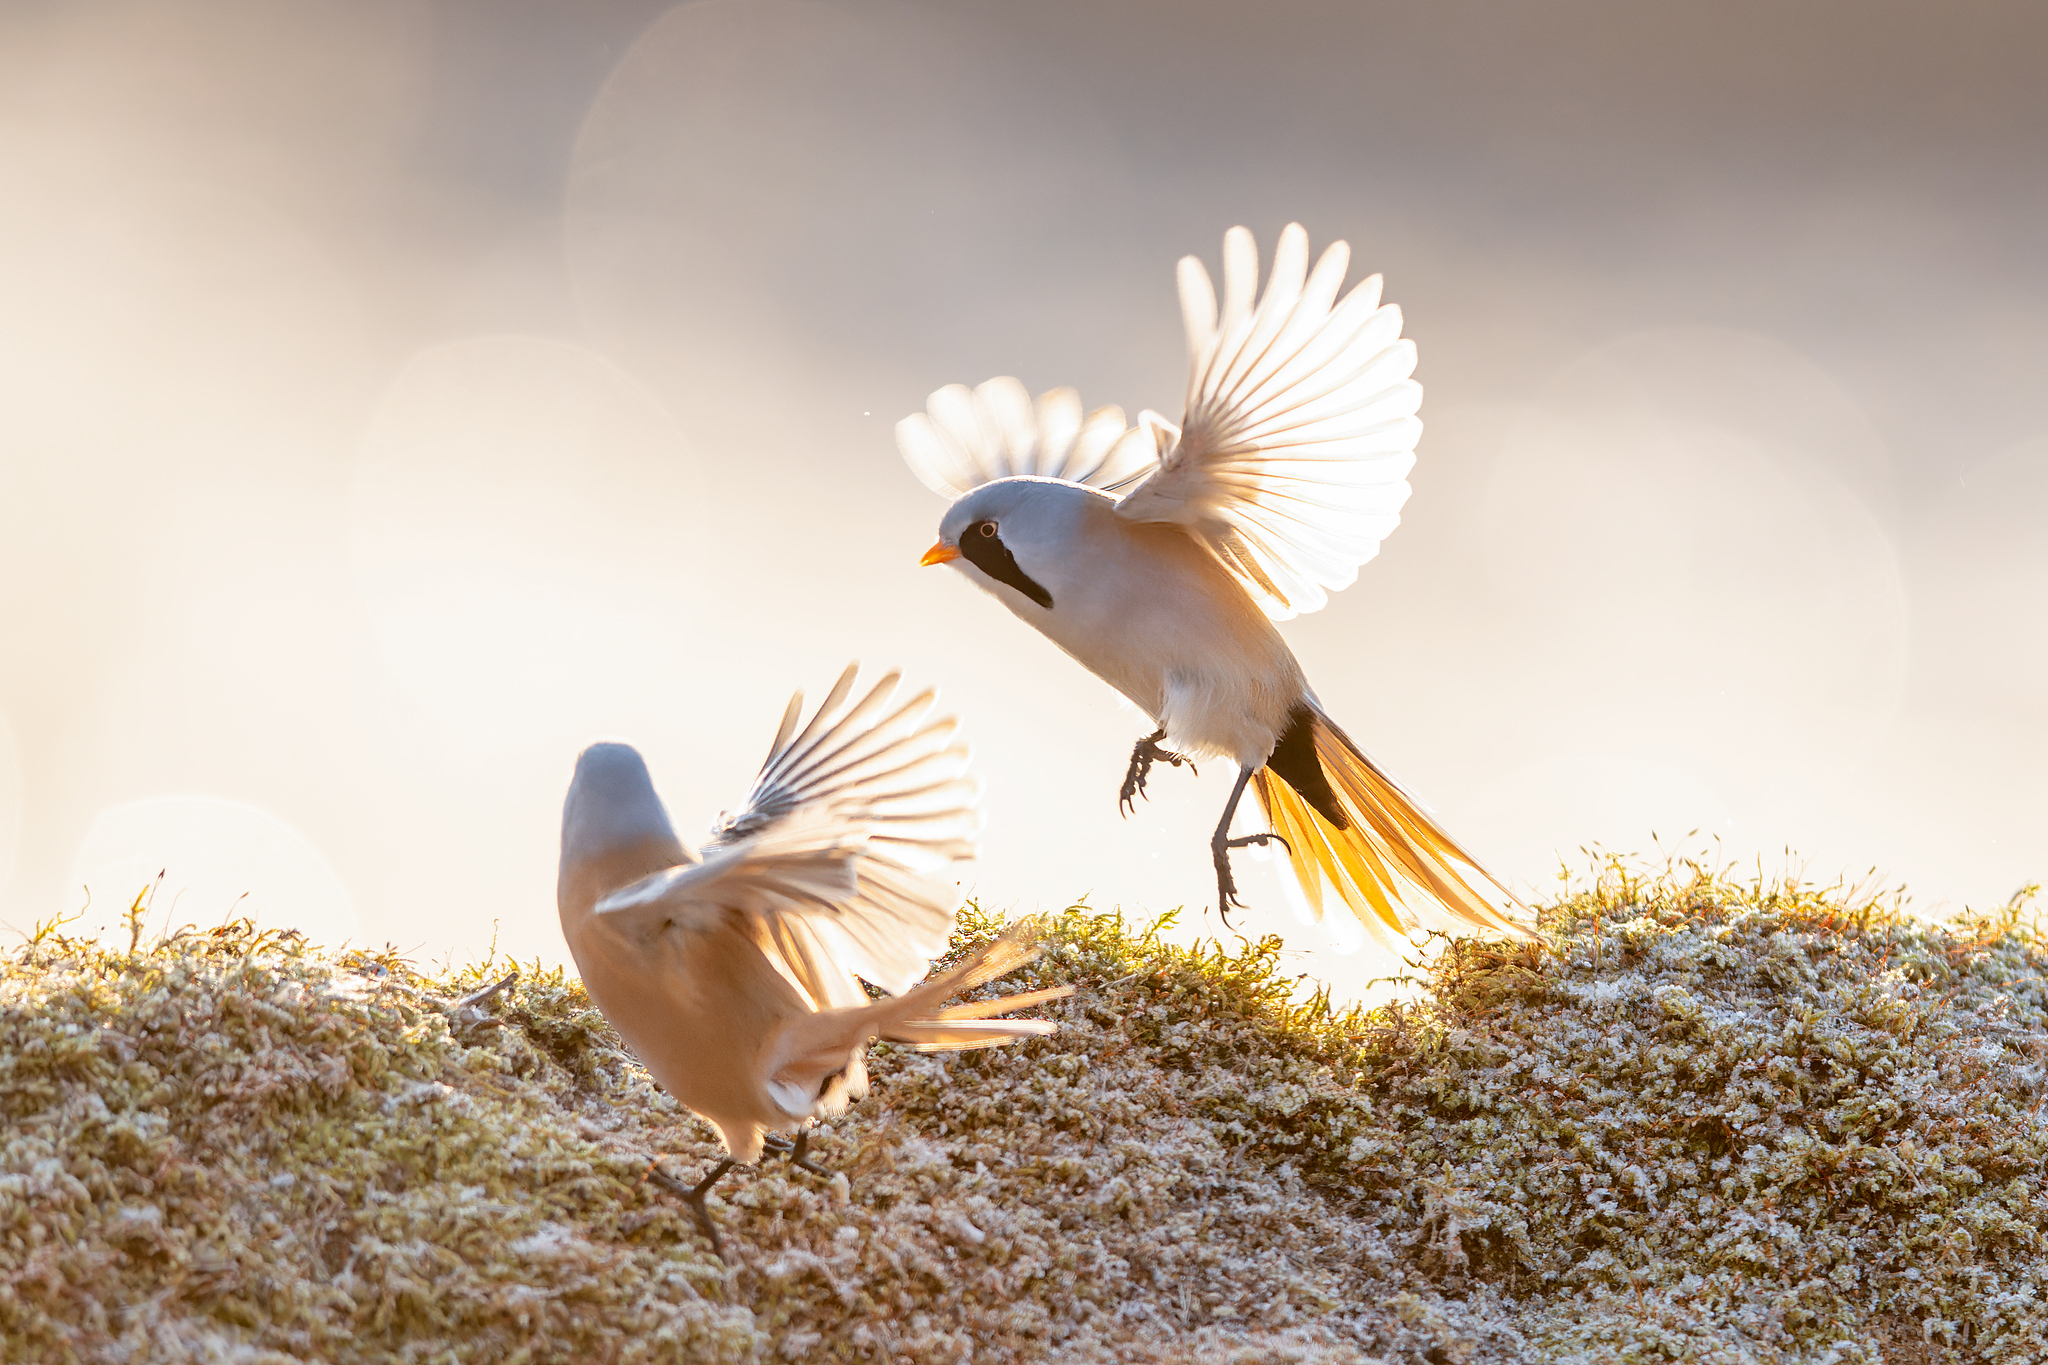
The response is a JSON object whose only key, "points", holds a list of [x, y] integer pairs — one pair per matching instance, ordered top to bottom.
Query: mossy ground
{"points": [[1708, 1121]]}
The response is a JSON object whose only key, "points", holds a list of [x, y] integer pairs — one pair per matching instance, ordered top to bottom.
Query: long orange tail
{"points": [[1347, 821]]}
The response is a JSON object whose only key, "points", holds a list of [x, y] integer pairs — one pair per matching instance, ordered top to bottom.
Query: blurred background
{"points": [[396, 395]]}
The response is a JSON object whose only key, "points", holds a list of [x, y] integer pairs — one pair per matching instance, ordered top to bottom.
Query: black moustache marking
{"points": [[988, 554]]}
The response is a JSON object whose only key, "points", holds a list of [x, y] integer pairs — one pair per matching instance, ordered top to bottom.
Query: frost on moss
{"points": [[1708, 1122]]}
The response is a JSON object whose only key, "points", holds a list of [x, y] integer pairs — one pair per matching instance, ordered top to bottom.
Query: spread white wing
{"points": [[969, 437], [1291, 463], [843, 848]]}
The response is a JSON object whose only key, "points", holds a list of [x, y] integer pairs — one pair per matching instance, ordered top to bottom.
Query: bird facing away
{"points": [[1160, 556], [732, 974]]}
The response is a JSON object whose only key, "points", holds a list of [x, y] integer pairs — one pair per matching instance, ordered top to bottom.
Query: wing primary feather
{"points": [[1240, 277], [1240, 283], [1283, 287], [1197, 310], [1308, 315], [1276, 336], [1007, 407], [1058, 417], [968, 437], [931, 455], [1291, 463], [788, 726], [803, 755], [778, 761], [815, 772], [836, 777], [945, 782], [841, 848]]}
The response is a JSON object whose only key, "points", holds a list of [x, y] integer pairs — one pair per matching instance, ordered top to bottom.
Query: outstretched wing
{"points": [[969, 437], [1291, 463], [843, 848]]}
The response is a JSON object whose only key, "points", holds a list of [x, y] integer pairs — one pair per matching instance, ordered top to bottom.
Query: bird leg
{"points": [[1144, 754], [1220, 846], [477, 999], [468, 1012], [798, 1152], [800, 1156], [693, 1195]]}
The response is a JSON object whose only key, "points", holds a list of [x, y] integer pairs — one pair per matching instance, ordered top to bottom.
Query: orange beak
{"points": [[938, 554]]}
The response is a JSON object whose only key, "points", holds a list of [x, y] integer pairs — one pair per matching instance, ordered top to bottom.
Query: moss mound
{"points": [[1710, 1122]]}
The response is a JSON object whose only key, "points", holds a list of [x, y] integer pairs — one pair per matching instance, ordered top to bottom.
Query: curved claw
{"points": [[1144, 754], [1222, 843], [1226, 887]]}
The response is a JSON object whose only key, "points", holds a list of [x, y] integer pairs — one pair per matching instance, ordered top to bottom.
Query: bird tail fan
{"points": [[1345, 820], [973, 1025], [815, 1046]]}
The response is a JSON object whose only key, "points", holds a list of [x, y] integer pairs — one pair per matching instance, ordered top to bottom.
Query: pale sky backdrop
{"points": [[396, 395]]}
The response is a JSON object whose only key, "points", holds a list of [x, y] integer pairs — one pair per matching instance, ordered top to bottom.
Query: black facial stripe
{"points": [[987, 553]]}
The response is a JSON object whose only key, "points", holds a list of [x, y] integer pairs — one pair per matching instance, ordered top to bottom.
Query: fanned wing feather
{"points": [[968, 437], [1291, 462], [844, 845], [809, 861]]}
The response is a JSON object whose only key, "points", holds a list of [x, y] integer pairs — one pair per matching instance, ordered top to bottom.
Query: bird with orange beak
{"points": [[1160, 556]]}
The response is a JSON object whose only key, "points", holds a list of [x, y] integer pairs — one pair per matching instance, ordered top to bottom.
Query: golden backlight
{"points": [[395, 399]]}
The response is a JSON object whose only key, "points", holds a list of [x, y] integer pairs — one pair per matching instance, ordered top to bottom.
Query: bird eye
{"points": [[988, 528]]}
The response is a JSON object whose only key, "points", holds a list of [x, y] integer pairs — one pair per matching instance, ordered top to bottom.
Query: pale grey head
{"points": [[1019, 532], [611, 805]]}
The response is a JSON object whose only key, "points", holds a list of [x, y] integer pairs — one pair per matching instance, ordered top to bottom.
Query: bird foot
{"points": [[1144, 754], [1226, 884], [472, 1010], [798, 1152], [693, 1195]]}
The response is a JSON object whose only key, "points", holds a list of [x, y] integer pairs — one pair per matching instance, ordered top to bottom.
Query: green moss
{"points": [[1708, 1121], [230, 1146]]}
